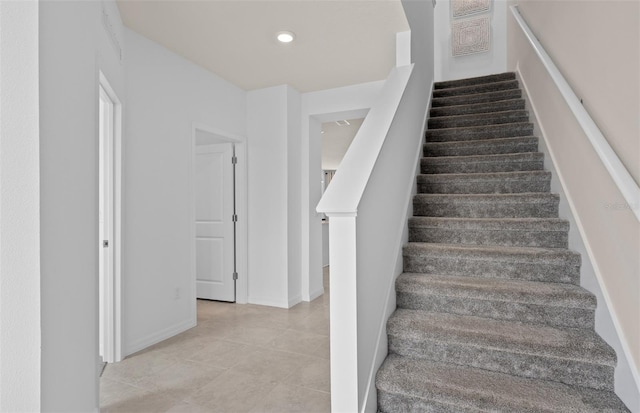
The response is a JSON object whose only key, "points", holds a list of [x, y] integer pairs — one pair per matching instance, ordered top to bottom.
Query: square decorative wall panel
{"points": [[462, 8], [470, 36]]}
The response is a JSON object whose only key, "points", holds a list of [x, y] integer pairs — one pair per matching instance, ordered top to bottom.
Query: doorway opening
{"points": [[218, 203], [109, 218]]}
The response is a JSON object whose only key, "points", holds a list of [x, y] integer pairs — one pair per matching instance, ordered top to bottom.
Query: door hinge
{"points": [[234, 159], [234, 218], [105, 243], [235, 275]]}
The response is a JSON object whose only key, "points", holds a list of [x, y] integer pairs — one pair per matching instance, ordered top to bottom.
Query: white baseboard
{"points": [[315, 294], [268, 302], [158, 336]]}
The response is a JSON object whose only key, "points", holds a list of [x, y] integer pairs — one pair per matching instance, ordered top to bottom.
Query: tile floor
{"points": [[240, 358]]}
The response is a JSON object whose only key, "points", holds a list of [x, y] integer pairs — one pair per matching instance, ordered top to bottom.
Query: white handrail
{"points": [[620, 175]]}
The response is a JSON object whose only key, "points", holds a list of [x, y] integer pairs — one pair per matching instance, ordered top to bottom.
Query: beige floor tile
{"points": [[259, 336], [294, 341], [324, 350], [222, 353], [276, 365], [134, 368], [314, 375], [181, 380], [112, 391], [233, 391], [293, 399], [140, 401], [184, 407]]}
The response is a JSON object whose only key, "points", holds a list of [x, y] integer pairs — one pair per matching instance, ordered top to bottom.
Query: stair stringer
{"points": [[626, 378]]}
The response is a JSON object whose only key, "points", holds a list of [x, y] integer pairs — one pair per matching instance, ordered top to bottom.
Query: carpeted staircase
{"points": [[490, 313]]}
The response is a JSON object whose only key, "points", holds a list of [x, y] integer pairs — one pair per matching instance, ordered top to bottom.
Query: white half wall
{"points": [[447, 67], [165, 96], [19, 208]]}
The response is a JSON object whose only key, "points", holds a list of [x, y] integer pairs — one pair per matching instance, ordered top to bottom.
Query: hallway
{"points": [[239, 358]]}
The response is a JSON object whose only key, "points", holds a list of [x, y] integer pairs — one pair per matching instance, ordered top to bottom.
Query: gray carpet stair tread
{"points": [[475, 80], [475, 89], [476, 98], [477, 108], [511, 116], [504, 130], [481, 147], [482, 164], [527, 198], [492, 224], [549, 256], [515, 291], [544, 303], [508, 336], [409, 385]]}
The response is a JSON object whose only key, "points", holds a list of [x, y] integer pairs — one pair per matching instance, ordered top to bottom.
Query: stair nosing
{"points": [[493, 75], [499, 82], [476, 94], [496, 126]]}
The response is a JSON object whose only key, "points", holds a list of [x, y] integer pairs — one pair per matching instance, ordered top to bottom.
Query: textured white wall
{"points": [[448, 67], [165, 95], [19, 208]]}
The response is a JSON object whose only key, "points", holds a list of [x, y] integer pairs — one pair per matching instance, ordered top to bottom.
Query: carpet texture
{"points": [[491, 316]]}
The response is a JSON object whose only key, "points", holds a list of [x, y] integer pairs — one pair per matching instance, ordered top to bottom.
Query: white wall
{"points": [[73, 48], [448, 67], [165, 95], [323, 106], [273, 131], [19, 208], [604, 228]]}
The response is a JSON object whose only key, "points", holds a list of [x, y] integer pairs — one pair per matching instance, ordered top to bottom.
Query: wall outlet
{"points": [[176, 295]]}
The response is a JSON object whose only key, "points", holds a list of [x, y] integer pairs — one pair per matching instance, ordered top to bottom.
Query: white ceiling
{"points": [[338, 42], [335, 142]]}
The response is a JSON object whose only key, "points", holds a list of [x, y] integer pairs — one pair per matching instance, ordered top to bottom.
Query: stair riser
{"points": [[474, 81], [475, 89], [479, 98], [489, 107], [458, 122], [489, 132], [468, 149], [427, 167], [486, 187], [485, 210], [506, 238], [491, 268], [499, 310], [572, 372], [400, 403]]}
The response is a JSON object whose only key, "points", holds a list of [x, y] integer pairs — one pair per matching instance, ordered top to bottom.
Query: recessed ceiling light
{"points": [[285, 37], [343, 123]]}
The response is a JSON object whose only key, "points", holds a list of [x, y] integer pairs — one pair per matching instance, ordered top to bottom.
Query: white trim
{"points": [[622, 178], [241, 208], [585, 240], [116, 294], [270, 302], [159, 336]]}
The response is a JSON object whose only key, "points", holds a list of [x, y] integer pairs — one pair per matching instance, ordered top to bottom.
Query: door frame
{"points": [[215, 135], [113, 331]]}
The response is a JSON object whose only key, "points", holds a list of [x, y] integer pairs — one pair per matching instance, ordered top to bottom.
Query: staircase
{"points": [[490, 313]]}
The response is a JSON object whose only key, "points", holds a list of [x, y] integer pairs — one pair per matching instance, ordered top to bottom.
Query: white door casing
{"points": [[214, 211]]}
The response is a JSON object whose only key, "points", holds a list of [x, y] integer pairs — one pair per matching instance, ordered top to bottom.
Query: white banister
{"points": [[620, 175], [341, 202]]}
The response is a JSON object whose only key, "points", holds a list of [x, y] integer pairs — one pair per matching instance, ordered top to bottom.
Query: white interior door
{"points": [[215, 242]]}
